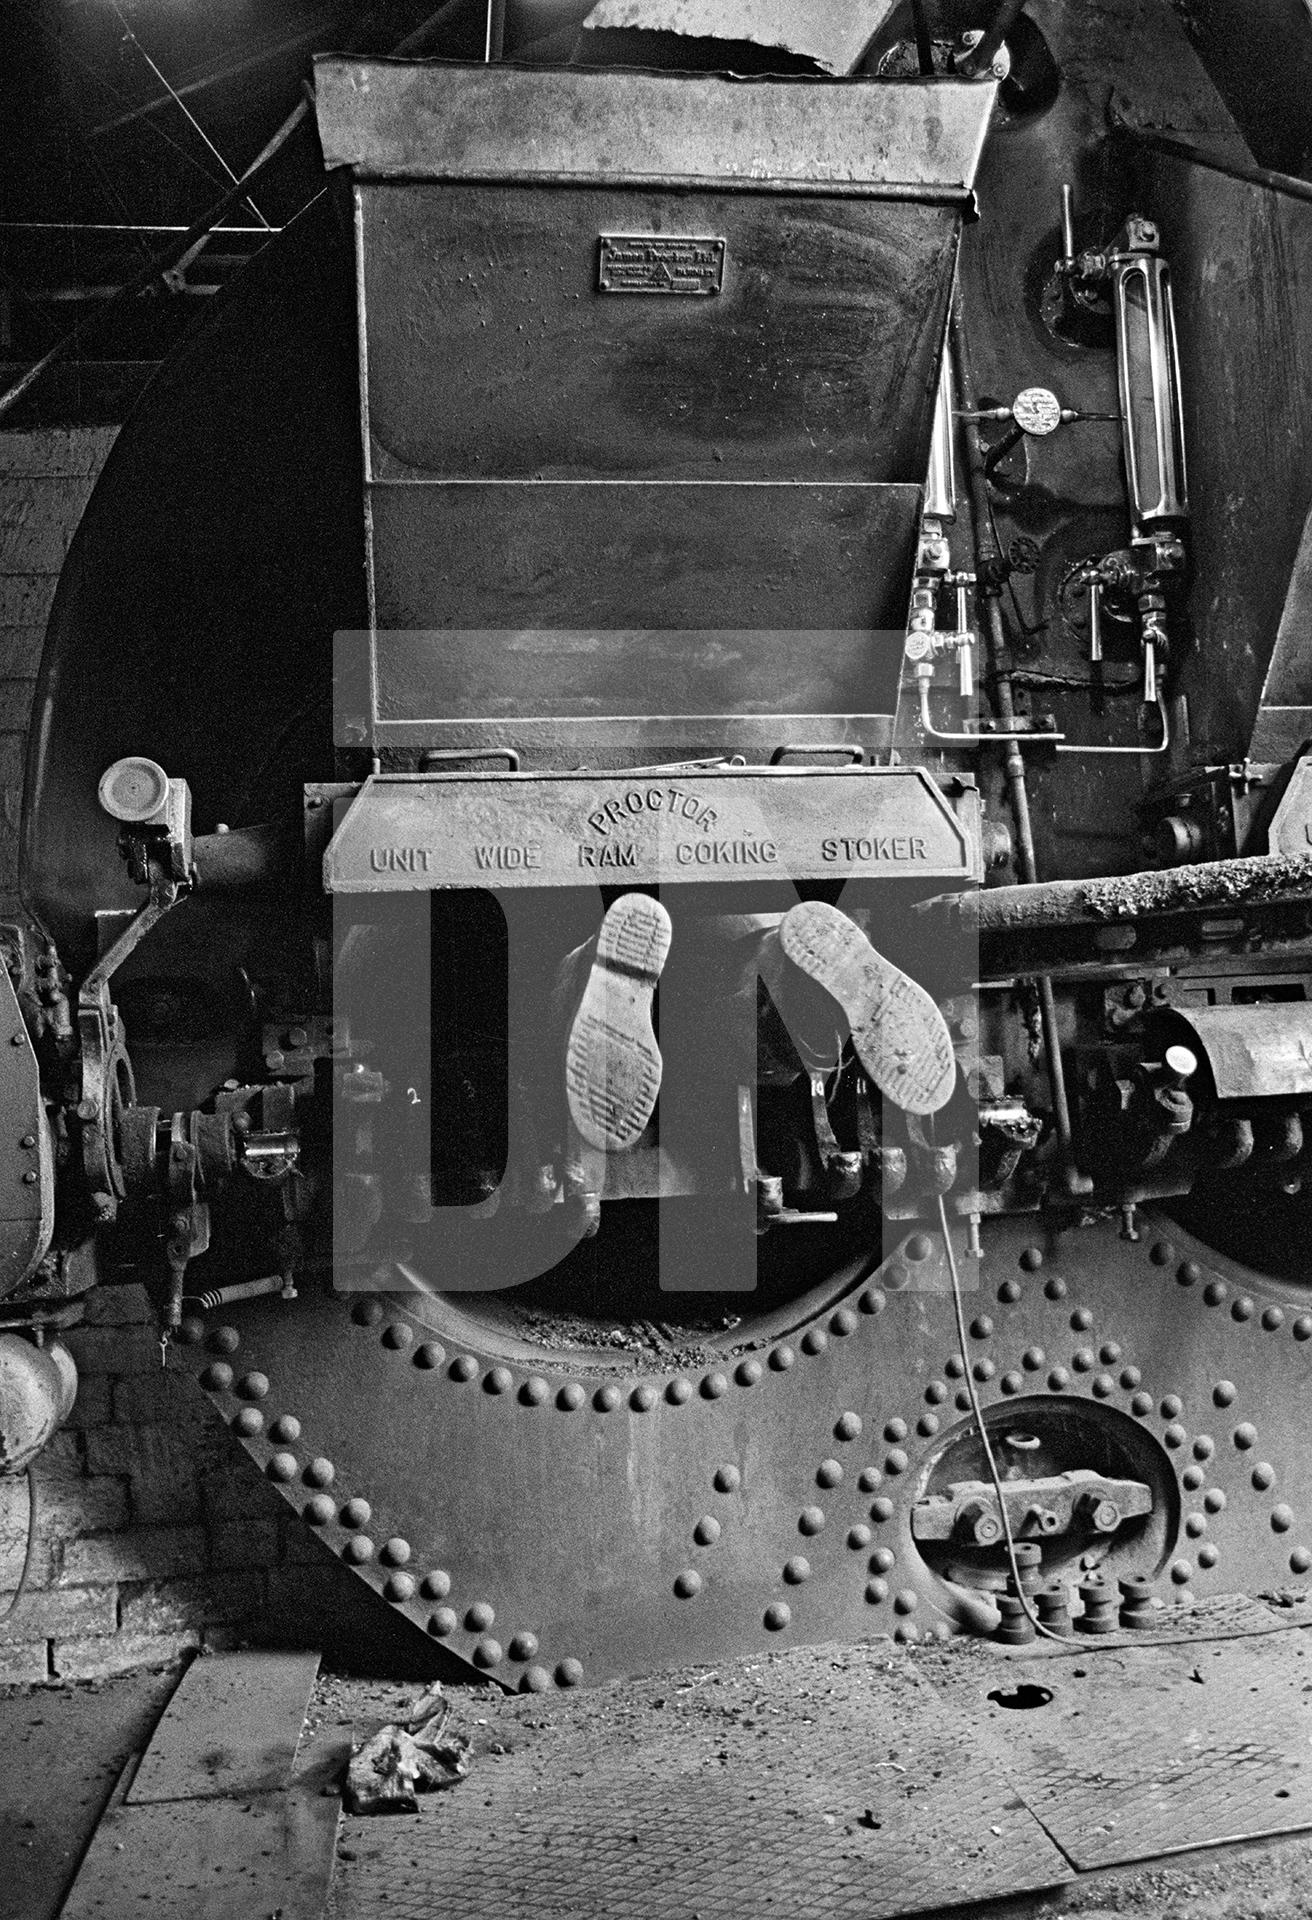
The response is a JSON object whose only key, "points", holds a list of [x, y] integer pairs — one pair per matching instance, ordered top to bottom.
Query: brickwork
{"points": [[155, 1533]]}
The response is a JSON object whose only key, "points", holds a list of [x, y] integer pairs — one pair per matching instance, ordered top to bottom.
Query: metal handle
{"points": [[856, 754], [456, 756]]}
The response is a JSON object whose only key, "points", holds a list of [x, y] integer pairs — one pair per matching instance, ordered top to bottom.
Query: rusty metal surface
{"points": [[834, 37], [394, 119], [409, 832], [1051, 904], [1255, 1052], [572, 1516], [232, 1727]]}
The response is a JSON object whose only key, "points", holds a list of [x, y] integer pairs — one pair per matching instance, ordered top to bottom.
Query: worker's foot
{"points": [[899, 1034], [612, 1062]]}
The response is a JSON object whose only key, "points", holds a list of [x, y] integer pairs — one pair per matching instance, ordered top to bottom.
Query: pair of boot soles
{"points": [[612, 1062]]}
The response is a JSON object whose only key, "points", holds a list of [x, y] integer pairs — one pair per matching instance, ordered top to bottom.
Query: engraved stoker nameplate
{"points": [[660, 263]]}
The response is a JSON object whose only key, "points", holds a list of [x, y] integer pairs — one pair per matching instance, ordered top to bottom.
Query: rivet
{"points": [[15, 1039], [28, 1140], [30, 1177], [918, 1247], [1161, 1253], [1031, 1259], [1188, 1273], [897, 1276], [1055, 1289], [1010, 1292], [1214, 1292], [872, 1301], [1243, 1308], [367, 1313], [1272, 1317], [1081, 1320], [843, 1322], [981, 1327], [1302, 1328], [191, 1332], [398, 1336], [224, 1340], [814, 1340], [1109, 1352], [430, 1354], [782, 1358], [1032, 1359], [1083, 1360], [463, 1367], [954, 1367], [983, 1369], [747, 1372], [1130, 1377], [1059, 1379], [498, 1380], [1012, 1382], [1103, 1384], [253, 1386], [714, 1386], [534, 1391], [679, 1392], [936, 1393], [571, 1397], [643, 1398], [606, 1399], [962, 1402], [1141, 1403], [1172, 1406], [249, 1422], [927, 1425], [848, 1426], [286, 1428], [895, 1430], [1245, 1435], [1175, 1436], [1204, 1447], [896, 1461], [284, 1467], [319, 1473], [828, 1473], [1263, 1475], [869, 1478], [1192, 1478], [727, 1479], [1214, 1500], [882, 1508], [319, 1510], [357, 1513], [1282, 1518], [810, 1520], [1195, 1524], [707, 1531], [859, 1536], [358, 1549], [396, 1552], [1208, 1555], [882, 1559], [1300, 1560], [796, 1570], [1180, 1571], [687, 1583], [436, 1584], [399, 1586], [876, 1590], [907, 1601], [480, 1616], [777, 1616], [442, 1622], [523, 1646], [487, 1653], [535, 1680]]}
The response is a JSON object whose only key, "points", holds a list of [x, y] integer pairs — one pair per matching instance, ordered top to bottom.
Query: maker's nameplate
{"points": [[660, 263], [415, 832]]}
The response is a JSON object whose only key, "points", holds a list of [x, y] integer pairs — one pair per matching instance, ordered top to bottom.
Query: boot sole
{"points": [[900, 1036], [612, 1063]]}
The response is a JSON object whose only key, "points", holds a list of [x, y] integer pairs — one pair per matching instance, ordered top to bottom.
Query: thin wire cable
{"points": [[182, 106], [30, 1552]]}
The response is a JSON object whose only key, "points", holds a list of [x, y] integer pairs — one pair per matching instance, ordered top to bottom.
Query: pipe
{"points": [[1052, 906]]}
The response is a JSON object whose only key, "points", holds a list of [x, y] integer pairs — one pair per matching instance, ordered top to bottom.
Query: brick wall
{"points": [[155, 1531]]}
